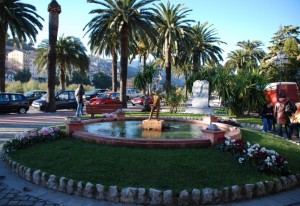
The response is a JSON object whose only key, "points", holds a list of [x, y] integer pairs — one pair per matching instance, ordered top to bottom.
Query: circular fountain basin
{"points": [[132, 129], [127, 133]]}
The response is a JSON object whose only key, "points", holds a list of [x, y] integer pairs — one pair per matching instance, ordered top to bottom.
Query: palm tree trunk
{"points": [[54, 10], [2, 60], [196, 62], [124, 63], [168, 67], [114, 70], [63, 79]]}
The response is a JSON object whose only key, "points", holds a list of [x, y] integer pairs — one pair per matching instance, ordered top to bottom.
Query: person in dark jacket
{"points": [[79, 92], [267, 115], [281, 116]]}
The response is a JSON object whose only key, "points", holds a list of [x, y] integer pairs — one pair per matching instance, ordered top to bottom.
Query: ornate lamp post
{"points": [[54, 10], [279, 61]]}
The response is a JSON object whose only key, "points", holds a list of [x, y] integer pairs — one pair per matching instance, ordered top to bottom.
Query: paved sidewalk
{"points": [[17, 191]]}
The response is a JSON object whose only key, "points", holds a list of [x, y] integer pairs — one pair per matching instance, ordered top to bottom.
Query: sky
{"points": [[233, 20]]}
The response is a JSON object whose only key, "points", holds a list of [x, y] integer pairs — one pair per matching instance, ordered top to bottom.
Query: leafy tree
{"points": [[126, 17], [22, 21], [173, 29], [283, 33], [103, 39], [204, 45], [253, 50], [71, 55], [237, 60], [23, 75], [77, 78], [101, 80]]}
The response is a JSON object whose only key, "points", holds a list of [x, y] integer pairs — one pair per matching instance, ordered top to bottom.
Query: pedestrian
{"points": [[79, 92], [267, 115], [281, 116], [295, 122]]}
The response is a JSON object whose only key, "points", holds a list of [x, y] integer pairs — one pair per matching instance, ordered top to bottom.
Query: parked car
{"points": [[93, 93], [132, 93], [34, 95], [106, 98], [63, 100], [140, 100], [13, 103]]}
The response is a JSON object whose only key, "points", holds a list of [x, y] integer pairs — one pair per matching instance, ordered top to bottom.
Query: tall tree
{"points": [[54, 10], [126, 17], [22, 21], [172, 26], [283, 33], [105, 40], [204, 47], [252, 48], [71, 55], [237, 59]]}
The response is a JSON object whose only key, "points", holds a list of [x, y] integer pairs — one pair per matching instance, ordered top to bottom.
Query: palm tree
{"points": [[54, 10], [125, 17], [22, 21], [173, 29], [104, 39], [204, 48], [252, 49], [71, 54], [237, 60]]}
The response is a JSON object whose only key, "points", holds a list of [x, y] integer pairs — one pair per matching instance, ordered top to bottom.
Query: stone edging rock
{"points": [[152, 196]]}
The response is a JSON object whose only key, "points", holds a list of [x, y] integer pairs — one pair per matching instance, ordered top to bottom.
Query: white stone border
{"points": [[152, 196]]}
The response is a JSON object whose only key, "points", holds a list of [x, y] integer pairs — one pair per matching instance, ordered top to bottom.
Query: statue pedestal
{"points": [[152, 124], [213, 136]]}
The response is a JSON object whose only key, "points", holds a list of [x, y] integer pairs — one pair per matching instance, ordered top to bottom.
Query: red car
{"points": [[106, 98], [140, 100]]}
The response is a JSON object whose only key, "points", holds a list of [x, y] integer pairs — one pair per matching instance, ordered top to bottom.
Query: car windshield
{"points": [[93, 91], [28, 94], [46, 95], [102, 96]]}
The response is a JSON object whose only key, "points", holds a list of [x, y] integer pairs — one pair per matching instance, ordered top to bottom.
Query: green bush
{"points": [[15, 87], [174, 98]]}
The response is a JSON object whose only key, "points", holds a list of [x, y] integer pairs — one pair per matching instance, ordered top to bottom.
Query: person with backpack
{"points": [[79, 92], [281, 116]]}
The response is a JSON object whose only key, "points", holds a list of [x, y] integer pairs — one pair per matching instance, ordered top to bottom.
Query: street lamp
{"points": [[279, 61]]}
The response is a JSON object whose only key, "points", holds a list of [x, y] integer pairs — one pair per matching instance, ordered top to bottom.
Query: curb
{"points": [[152, 196]]}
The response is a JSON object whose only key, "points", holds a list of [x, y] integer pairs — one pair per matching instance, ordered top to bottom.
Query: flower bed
{"points": [[230, 121], [28, 138], [266, 161]]}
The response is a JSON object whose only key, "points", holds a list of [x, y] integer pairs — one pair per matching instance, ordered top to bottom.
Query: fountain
{"points": [[159, 133]]}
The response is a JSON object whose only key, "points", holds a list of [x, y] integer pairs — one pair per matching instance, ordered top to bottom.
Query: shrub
{"points": [[16, 86], [173, 99], [266, 161]]}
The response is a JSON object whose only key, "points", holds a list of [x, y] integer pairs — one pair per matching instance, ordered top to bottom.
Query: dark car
{"points": [[93, 93], [34, 95], [107, 98], [63, 100], [140, 100], [13, 103]]}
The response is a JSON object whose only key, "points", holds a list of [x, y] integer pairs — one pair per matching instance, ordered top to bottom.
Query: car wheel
{"points": [[133, 104], [22, 110]]}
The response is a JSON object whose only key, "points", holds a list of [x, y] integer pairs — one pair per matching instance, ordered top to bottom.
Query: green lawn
{"points": [[175, 169]]}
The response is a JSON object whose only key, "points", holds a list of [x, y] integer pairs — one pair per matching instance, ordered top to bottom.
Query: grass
{"points": [[175, 169]]}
